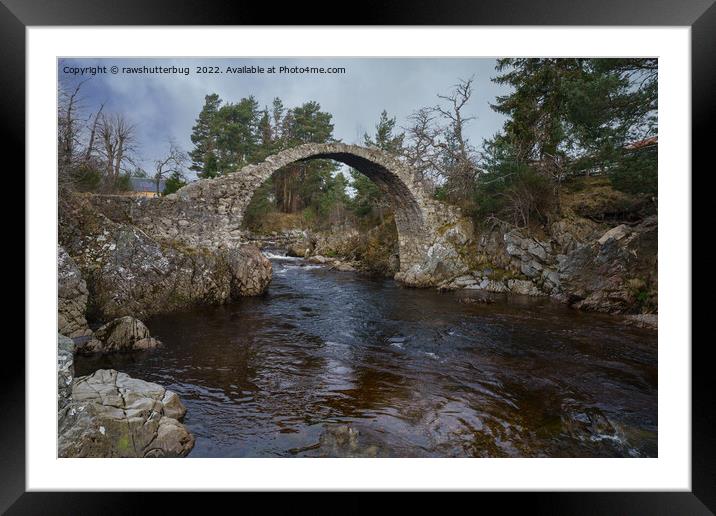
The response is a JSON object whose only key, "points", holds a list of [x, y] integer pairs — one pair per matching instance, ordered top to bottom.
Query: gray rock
{"points": [[573, 232], [616, 233], [339, 241], [301, 248], [537, 249], [318, 259], [534, 259], [442, 262], [343, 266], [531, 269], [250, 271], [487, 272], [129, 273], [617, 273], [551, 280], [464, 281], [489, 285], [447, 286], [523, 287], [71, 297], [643, 320], [123, 334], [65, 370], [114, 415], [587, 424], [338, 440]]}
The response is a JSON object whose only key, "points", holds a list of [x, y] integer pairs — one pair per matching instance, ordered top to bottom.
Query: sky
{"points": [[164, 106]]}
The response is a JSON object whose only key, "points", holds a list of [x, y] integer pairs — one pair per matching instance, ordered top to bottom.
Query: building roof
{"points": [[654, 140], [143, 184]]}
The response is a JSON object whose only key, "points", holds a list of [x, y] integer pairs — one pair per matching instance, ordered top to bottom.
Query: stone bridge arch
{"points": [[210, 212]]}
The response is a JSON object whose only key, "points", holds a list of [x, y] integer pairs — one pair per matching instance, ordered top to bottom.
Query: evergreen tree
{"points": [[277, 115], [575, 115], [568, 117], [237, 135], [204, 136], [226, 137], [385, 139], [267, 146], [174, 182], [301, 185], [368, 197]]}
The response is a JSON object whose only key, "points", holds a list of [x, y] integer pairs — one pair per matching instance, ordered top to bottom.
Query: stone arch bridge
{"points": [[209, 212]]}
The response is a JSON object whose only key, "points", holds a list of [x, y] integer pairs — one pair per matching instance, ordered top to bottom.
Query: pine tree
{"points": [[571, 115], [568, 117], [237, 135], [204, 136], [384, 137], [267, 146], [174, 182], [300, 185], [368, 197]]}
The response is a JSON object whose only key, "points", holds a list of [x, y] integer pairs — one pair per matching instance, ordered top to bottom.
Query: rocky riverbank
{"points": [[600, 254], [614, 271], [129, 272], [110, 275], [110, 414]]}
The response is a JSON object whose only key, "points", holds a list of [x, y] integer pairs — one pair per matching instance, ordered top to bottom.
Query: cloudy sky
{"points": [[164, 106]]}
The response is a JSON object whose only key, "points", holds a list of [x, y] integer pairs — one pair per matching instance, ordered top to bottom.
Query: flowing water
{"points": [[331, 363]]}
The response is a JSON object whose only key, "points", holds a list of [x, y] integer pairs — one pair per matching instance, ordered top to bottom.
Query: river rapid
{"points": [[330, 363]]}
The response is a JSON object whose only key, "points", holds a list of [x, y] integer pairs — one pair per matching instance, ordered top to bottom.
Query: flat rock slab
{"points": [[114, 415]]}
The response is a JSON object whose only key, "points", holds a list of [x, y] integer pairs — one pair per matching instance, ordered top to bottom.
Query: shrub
{"points": [[637, 172], [86, 178], [124, 183], [174, 183], [521, 195]]}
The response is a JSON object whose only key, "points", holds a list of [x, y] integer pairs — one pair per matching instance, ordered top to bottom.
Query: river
{"points": [[330, 363]]}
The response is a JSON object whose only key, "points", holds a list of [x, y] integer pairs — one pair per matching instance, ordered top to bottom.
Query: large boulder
{"points": [[572, 232], [340, 240], [301, 246], [444, 260], [250, 271], [130, 273], [616, 273], [71, 297], [122, 334], [114, 415], [339, 440]]}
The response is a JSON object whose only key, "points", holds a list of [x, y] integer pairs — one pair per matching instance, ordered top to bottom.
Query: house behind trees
{"points": [[143, 187]]}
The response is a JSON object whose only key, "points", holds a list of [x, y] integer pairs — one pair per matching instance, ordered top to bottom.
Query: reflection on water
{"points": [[333, 364]]}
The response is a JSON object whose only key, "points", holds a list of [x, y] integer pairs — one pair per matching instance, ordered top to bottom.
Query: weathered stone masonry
{"points": [[209, 212]]}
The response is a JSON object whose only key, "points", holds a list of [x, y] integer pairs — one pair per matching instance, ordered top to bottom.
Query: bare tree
{"points": [[457, 99], [68, 129], [76, 135], [118, 146], [437, 147], [421, 150], [89, 151], [458, 154], [173, 163]]}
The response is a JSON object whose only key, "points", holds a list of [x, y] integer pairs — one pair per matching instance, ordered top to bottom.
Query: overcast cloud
{"points": [[165, 106]]}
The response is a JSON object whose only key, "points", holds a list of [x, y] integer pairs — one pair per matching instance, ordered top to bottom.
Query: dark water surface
{"points": [[330, 363]]}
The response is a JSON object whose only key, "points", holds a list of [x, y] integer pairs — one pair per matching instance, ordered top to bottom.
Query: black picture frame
{"points": [[700, 15]]}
